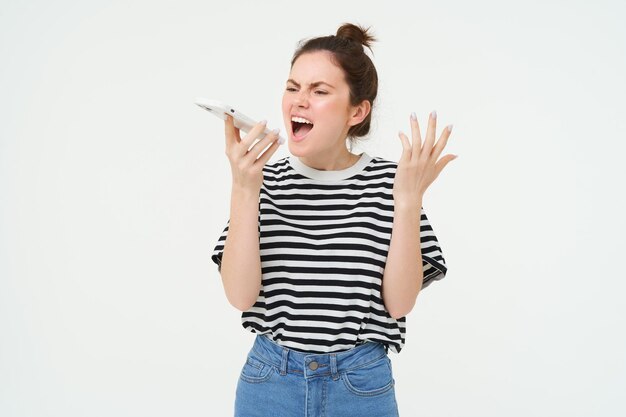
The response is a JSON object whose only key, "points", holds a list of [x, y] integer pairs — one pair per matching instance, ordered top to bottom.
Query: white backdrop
{"points": [[114, 188]]}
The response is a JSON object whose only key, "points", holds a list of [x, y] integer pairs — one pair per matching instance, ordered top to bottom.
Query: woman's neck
{"points": [[344, 162]]}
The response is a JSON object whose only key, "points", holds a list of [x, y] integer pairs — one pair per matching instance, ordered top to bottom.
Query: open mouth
{"points": [[300, 130]]}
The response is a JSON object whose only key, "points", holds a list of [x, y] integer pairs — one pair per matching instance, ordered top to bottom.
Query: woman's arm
{"points": [[417, 169], [241, 260], [403, 275]]}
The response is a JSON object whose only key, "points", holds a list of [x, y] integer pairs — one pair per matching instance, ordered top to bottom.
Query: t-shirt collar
{"points": [[317, 174]]}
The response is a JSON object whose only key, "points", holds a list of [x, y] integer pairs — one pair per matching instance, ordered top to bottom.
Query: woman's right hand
{"points": [[246, 169]]}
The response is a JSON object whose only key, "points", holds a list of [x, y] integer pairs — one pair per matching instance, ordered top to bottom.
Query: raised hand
{"points": [[246, 165], [418, 166]]}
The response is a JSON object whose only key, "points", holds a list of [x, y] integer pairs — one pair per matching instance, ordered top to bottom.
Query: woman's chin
{"points": [[296, 150]]}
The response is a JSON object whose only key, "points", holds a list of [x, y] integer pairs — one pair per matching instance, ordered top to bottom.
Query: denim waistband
{"points": [[315, 364]]}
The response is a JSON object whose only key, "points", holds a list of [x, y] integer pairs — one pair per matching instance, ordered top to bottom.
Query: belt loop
{"points": [[283, 363], [333, 366]]}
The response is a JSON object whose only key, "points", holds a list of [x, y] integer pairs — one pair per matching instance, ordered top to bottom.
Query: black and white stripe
{"points": [[324, 239]]}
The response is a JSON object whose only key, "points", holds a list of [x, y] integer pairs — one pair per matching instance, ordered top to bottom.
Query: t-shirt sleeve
{"points": [[218, 250], [433, 263]]}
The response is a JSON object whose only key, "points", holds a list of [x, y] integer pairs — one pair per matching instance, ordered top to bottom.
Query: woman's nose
{"points": [[301, 99]]}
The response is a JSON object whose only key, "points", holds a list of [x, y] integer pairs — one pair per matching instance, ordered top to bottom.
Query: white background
{"points": [[114, 188]]}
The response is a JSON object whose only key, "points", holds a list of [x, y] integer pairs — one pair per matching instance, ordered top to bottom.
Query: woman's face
{"points": [[326, 105]]}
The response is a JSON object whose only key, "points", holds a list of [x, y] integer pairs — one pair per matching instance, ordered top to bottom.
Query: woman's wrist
{"points": [[242, 193], [400, 203]]}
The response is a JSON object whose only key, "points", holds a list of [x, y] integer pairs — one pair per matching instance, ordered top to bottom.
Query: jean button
{"points": [[313, 365]]}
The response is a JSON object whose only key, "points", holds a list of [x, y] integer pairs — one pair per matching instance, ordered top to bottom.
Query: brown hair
{"points": [[359, 71]]}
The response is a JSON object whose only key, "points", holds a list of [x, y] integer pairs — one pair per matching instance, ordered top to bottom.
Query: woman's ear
{"points": [[359, 113]]}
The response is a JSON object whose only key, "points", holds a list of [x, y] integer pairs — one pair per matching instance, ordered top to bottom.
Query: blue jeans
{"points": [[276, 381]]}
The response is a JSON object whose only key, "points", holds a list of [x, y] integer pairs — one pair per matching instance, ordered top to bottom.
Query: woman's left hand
{"points": [[418, 166]]}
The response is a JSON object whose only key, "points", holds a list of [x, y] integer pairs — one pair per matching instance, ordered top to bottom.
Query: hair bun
{"points": [[356, 33]]}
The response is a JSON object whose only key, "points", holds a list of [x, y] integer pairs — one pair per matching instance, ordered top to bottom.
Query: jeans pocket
{"points": [[255, 371], [374, 378]]}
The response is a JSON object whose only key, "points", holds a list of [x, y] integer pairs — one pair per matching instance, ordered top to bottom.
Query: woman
{"points": [[307, 254]]}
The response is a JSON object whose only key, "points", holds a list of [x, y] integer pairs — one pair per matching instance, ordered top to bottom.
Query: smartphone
{"points": [[241, 121]]}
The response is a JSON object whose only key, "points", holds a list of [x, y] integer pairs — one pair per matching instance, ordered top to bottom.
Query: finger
{"points": [[229, 129], [252, 135], [430, 135], [417, 137], [442, 142], [406, 146], [258, 147], [263, 159], [441, 164]]}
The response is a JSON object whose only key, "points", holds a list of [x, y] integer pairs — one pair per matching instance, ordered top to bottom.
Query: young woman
{"points": [[325, 251]]}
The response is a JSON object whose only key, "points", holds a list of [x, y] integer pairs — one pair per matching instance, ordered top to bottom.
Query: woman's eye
{"points": [[318, 91]]}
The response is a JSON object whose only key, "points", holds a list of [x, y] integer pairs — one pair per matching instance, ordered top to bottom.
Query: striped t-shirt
{"points": [[324, 238]]}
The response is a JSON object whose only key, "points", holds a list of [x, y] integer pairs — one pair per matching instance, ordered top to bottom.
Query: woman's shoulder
{"points": [[379, 160], [381, 164], [276, 166]]}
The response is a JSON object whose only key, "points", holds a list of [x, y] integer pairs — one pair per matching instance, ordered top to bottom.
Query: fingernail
{"points": [[433, 114], [413, 116], [263, 122], [449, 128], [275, 131], [281, 141], [455, 156]]}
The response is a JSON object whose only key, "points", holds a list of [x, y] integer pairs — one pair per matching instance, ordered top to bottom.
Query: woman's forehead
{"points": [[311, 68]]}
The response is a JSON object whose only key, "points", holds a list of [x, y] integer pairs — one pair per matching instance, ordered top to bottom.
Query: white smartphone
{"points": [[241, 121]]}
